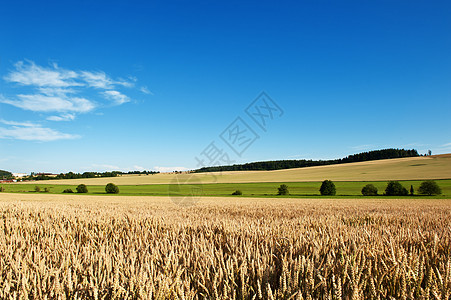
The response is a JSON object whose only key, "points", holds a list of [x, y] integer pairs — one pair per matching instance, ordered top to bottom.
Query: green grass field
{"points": [[261, 189]]}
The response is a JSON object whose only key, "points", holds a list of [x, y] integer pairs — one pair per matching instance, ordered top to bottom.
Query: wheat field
{"points": [[68, 247]]}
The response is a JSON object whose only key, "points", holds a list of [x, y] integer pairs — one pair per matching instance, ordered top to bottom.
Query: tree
{"points": [[429, 152], [429, 187], [81, 188], [111, 188], [327, 188], [394, 188], [2, 189], [37, 189], [283, 190], [369, 190], [68, 191], [412, 191], [237, 193]]}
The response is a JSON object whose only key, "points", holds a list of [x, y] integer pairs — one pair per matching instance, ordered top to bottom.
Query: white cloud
{"points": [[32, 74], [97, 79], [61, 90], [145, 90], [60, 93], [116, 97], [44, 103], [64, 117], [13, 123], [31, 132], [170, 169]]}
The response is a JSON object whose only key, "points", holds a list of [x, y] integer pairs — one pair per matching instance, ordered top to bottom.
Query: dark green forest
{"points": [[289, 164]]}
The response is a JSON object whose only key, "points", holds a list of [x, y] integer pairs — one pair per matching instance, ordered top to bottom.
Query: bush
{"points": [[429, 187], [82, 188], [111, 188], [327, 188], [394, 188], [2, 189], [37, 189], [46, 190], [283, 190], [369, 190], [68, 191], [237, 192]]}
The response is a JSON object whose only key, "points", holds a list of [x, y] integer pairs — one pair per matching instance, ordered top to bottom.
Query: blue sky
{"points": [[131, 85]]}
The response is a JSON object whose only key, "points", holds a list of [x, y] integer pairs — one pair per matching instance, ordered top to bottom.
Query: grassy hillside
{"points": [[412, 168]]}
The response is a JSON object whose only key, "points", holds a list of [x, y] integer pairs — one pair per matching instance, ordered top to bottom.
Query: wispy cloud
{"points": [[28, 73], [97, 80], [61, 90], [145, 90], [60, 93], [116, 97], [44, 103], [64, 117], [31, 132], [170, 169]]}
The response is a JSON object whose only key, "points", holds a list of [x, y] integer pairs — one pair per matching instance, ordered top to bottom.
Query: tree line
{"points": [[302, 163], [72, 175]]}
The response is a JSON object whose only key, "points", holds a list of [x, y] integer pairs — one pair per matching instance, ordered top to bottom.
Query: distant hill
{"points": [[291, 164], [5, 174]]}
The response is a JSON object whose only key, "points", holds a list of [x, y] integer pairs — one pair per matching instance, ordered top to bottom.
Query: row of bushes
{"points": [[110, 188], [394, 188]]}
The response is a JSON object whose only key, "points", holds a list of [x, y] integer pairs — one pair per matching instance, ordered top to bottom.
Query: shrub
{"points": [[429, 187], [82, 188], [111, 188], [327, 188], [394, 188], [2, 189], [37, 189], [46, 190], [283, 190], [369, 190], [68, 191], [412, 191], [237, 192]]}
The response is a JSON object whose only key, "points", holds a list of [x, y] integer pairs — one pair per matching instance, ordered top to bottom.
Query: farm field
{"points": [[412, 168], [260, 189], [67, 246]]}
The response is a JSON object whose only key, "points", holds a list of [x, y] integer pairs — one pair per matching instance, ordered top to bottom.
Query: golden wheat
{"points": [[146, 248]]}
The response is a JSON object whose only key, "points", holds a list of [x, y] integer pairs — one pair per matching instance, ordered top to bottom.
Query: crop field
{"points": [[412, 168], [257, 189], [92, 247]]}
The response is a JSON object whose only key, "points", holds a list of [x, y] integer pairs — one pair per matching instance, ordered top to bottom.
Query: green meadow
{"points": [[261, 189]]}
